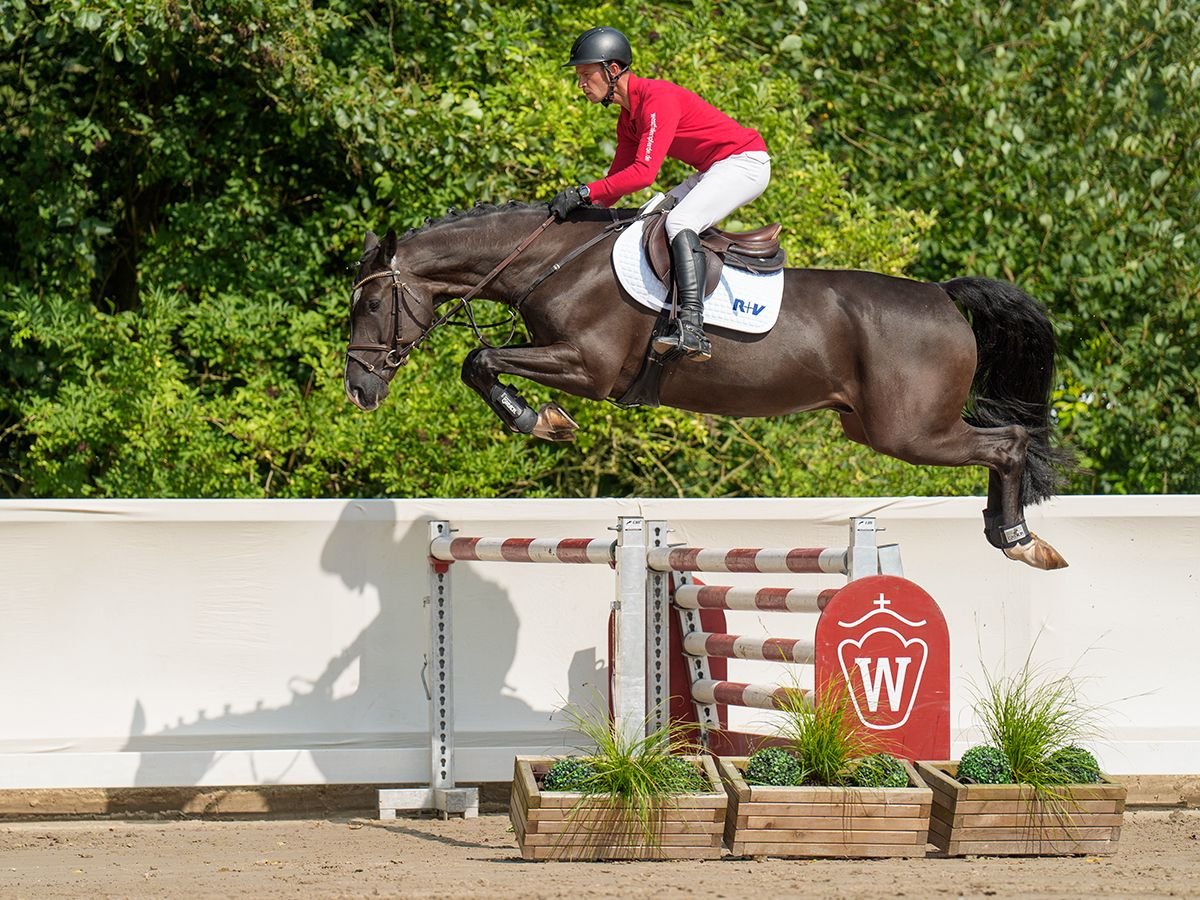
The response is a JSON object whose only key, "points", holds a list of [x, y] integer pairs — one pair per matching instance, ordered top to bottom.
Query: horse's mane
{"points": [[479, 210]]}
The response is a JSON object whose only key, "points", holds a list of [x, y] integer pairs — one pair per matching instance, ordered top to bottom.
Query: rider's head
{"points": [[600, 57]]}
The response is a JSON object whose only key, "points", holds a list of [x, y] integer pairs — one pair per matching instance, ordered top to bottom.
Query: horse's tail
{"points": [[1014, 375]]}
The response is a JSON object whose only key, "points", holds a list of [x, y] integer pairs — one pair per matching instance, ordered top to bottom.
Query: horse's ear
{"points": [[370, 242], [389, 246]]}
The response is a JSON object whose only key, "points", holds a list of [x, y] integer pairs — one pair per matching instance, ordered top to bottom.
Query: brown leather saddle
{"points": [[754, 251]]}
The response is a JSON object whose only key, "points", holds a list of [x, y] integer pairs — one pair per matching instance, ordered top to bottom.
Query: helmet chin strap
{"points": [[612, 84]]}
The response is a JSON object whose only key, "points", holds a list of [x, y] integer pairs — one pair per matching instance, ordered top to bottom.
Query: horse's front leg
{"points": [[559, 366]]}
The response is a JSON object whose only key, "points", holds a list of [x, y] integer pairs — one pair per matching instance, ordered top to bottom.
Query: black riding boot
{"points": [[686, 333]]}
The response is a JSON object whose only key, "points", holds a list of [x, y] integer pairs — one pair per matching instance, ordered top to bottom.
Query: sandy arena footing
{"points": [[428, 857]]}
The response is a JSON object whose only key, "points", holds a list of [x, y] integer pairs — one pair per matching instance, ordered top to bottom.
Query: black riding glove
{"points": [[567, 200]]}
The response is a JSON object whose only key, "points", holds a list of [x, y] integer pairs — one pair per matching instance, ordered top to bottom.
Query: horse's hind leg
{"points": [[1002, 451], [993, 514]]}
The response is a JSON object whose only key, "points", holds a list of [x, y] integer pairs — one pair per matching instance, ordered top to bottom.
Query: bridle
{"points": [[398, 349]]}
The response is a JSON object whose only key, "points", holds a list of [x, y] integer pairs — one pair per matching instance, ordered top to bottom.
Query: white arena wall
{"points": [[202, 643]]}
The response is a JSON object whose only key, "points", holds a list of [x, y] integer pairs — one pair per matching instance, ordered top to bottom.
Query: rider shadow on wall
{"points": [[484, 635], [371, 694]]}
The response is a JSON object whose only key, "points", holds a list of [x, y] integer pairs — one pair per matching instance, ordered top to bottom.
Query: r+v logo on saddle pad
{"points": [[742, 301], [740, 305]]}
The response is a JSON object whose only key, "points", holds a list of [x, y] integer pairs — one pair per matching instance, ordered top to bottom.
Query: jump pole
{"points": [[863, 556], [881, 633], [636, 656]]}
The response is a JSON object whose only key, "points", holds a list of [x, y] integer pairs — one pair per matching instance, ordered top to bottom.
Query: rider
{"points": [[660, 119]]}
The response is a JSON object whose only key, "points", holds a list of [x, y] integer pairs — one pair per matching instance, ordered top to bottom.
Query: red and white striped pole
{"points": [[525, 550], [797, 560], [716, 596], [733, 646], [737, 693]]}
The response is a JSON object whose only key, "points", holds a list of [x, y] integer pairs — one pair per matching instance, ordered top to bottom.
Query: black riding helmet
{"points": [[600, 45]]}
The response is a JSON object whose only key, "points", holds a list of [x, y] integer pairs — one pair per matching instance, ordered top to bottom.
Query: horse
{"points": [[956, 373]]}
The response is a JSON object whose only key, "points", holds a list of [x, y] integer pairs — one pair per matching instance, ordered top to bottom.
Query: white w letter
{"points": [[883, 673]]}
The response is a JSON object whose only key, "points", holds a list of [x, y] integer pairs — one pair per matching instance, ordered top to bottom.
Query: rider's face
{"points": [[592, 81]]}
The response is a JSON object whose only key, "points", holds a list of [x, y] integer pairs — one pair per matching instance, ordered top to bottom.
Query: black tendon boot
{"points": [[687, 331]]}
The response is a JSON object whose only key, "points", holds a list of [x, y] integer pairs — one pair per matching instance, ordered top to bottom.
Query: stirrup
{"points": [[686, 339], [669, 340], [694, 344]]}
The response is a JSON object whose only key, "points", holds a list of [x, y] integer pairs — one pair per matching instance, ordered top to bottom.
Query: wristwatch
{"points": [[585, 193]]}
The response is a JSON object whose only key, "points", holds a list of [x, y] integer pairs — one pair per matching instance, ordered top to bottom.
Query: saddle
{"points": [[754, 251]]}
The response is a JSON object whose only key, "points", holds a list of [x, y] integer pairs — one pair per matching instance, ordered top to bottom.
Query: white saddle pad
{"points": [[742, 301]]}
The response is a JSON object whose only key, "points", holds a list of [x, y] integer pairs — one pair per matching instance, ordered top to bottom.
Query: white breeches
{"points": [[705, 198]]}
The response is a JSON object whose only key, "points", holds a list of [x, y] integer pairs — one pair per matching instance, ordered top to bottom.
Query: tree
{"points": [[1057, 147], [185, 190]]}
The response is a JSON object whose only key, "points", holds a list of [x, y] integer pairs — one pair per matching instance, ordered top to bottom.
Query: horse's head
{"points": [[389, 315]]}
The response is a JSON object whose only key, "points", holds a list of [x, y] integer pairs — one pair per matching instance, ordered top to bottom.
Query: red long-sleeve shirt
{"points": [[664, 120]]}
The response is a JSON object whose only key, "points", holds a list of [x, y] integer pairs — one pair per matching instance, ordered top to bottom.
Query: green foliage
{"points": [[1057, 147], [185, 186], [184, 191], [1029, 717], [824, 733], [984, 764], [773, 765], [1073, 765], [879, 770], [569, 774], [635, 774], [678, 775]]}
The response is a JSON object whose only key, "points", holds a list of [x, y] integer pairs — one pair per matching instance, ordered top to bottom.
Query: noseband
{"points": [[397, 350]]}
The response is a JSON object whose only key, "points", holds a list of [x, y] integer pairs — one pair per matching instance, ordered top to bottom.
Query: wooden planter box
{"points": [[1009, 819], [824, 821], [568, 825]]}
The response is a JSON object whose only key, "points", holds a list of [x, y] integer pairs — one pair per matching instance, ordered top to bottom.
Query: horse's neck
{"points": [[455, 260]]}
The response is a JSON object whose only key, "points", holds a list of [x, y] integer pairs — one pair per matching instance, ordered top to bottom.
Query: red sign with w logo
{"points": [[886, 639]]}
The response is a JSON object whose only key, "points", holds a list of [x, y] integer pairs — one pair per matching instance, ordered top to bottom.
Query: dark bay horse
{"points": [[897, 359]]}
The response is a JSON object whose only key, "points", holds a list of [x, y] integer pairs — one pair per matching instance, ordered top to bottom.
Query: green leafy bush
{"points": [[1055, 145], [184, 195], [175, 274], [1029, 716], [824, 733], [985, 764], [1073, 765], [774, 766], [879, 770], [569, 774], [635, 774], [669, 775], [681, 776]]}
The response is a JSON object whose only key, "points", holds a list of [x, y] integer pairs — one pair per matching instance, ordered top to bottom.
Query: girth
{"points": [[754, 251]]}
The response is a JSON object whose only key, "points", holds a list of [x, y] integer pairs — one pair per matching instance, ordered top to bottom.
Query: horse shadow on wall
{"points": [[371, 694]]}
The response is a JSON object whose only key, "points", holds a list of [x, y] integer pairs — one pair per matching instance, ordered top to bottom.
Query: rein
{"points": [[578, 251], [465, 300], [398, 350]]}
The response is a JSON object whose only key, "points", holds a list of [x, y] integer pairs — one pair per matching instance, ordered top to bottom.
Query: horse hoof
{"points": [[554, 424], [1037, 553]]}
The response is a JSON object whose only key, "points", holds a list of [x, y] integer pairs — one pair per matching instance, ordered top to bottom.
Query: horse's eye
{"points": [[373, 304]]}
